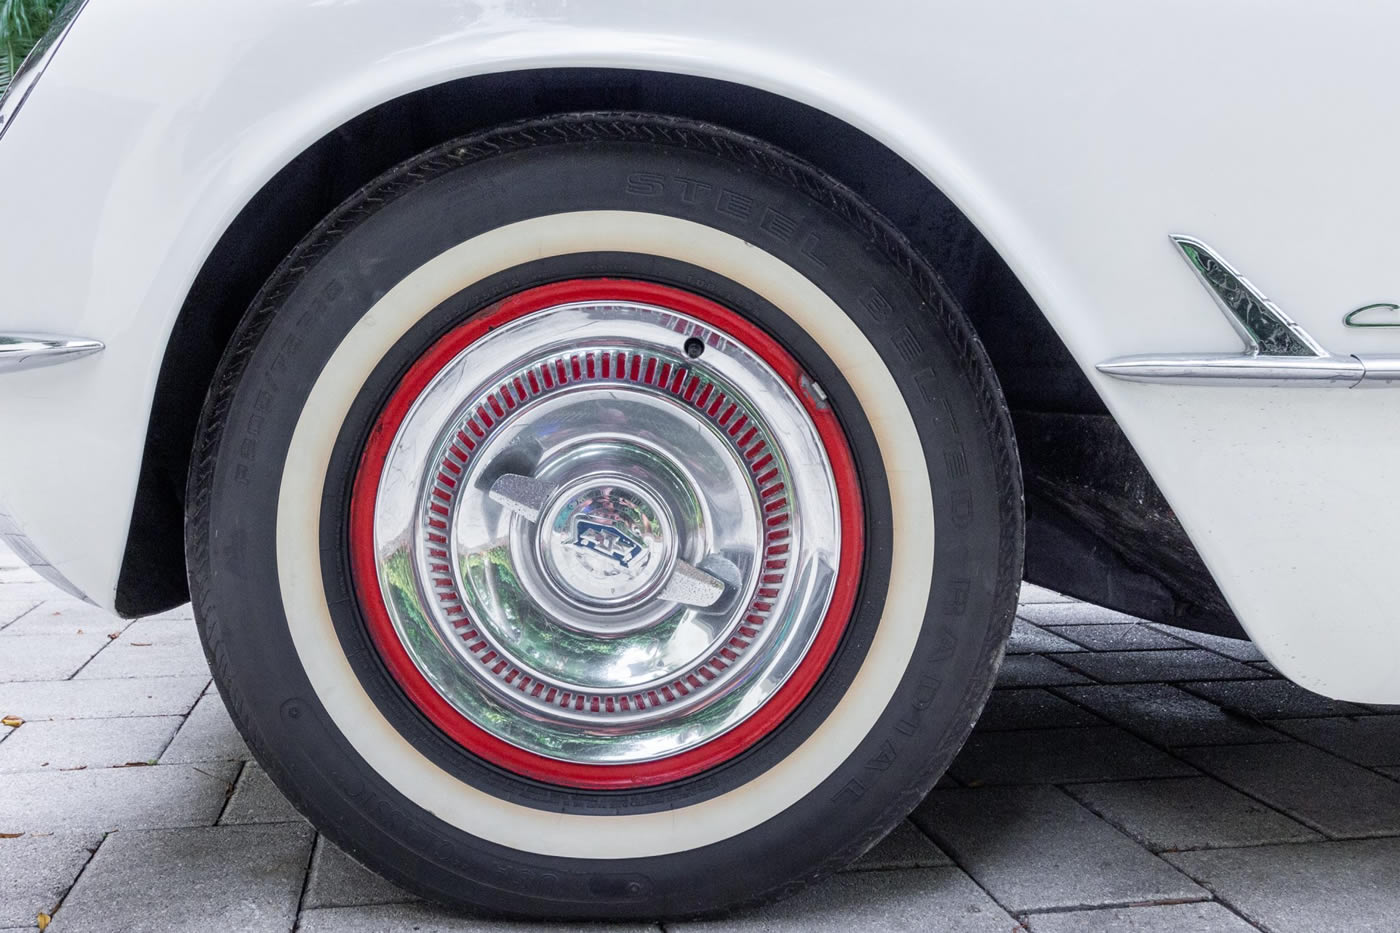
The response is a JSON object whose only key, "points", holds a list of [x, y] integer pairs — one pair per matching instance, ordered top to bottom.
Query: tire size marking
{"points": [[726, 202]]}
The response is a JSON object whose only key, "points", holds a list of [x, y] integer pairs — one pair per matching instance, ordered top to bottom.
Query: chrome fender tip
{"points": [[31, 351]]}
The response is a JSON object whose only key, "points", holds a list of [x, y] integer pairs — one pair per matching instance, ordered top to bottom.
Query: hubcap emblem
{"points": [[607, 541]]}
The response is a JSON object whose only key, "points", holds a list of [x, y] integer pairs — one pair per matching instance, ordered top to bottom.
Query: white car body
{"points": [[1076, 137]]}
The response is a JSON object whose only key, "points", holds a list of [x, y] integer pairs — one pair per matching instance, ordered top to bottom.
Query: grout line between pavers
{"points": [[1066, 601], [20, 616], [1148, 623], [1064, 631], [110, 642], [1198, 645], [1069, 668], [87, 680], [1166, 681], [1185, 686], [204, 694], [184, 719], [1105, 724], [1169, 751], [149, 763], [1374, 769], [232, 789], [1296, 817], [1113, 826], [1327, 835], [316, 842], [1246, 845], [1269, 845], [957, 863], [854, 869], [79, 876], [1220, 899], [1116, 905], [1021, 915], [1258, 925]]}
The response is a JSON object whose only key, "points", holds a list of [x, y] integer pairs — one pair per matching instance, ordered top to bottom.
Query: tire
{"points": [[530, 774]]}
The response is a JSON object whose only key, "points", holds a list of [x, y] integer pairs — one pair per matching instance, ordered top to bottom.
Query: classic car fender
{"points": [[1075, 138]]}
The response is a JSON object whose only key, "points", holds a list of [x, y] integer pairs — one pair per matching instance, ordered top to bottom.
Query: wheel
{"points": [[604, 516]]}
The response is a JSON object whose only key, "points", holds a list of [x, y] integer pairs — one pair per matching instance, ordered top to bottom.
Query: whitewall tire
{"points": [[595, 505]]}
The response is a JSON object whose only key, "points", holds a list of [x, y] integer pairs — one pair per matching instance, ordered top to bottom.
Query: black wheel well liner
{"points": [[1037, 373]]}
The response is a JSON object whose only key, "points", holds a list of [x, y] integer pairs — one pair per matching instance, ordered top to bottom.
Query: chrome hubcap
{"points": [[599, 546]]}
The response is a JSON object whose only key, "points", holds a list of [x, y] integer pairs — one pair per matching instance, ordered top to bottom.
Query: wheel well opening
{"points": [[1058, 413]]}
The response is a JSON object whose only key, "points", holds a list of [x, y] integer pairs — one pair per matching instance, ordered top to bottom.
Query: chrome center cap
{"points": [[607, 542]]}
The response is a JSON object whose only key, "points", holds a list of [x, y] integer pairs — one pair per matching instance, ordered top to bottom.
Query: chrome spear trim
{"points": [[1277, 350], [30, 351]]}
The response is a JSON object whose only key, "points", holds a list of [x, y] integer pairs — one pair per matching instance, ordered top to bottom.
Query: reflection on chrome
{"points": [[1277, 350], [593, 564]]}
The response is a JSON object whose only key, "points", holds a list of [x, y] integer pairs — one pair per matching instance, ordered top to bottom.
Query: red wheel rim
{"points": [[722, 748]]}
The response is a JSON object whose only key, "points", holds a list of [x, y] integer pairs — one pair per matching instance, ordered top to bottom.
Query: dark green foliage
{"points": [[22, 24]]}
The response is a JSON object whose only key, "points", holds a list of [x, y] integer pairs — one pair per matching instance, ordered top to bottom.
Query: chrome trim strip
{"points": [[33, 66], [1277, 350], [30, 351], [1233, 369], [1380, 370]]}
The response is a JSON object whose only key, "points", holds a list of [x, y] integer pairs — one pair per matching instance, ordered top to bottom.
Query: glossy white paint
{"points": [[1076, 135]]}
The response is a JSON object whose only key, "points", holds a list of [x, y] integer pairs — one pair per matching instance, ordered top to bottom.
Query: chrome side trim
{"points": [[1277, 350], [30, 351], [1232, 369], [1380, 370]]}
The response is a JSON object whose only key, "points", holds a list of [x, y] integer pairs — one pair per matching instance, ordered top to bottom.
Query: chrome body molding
{"points": [[1277, 350], [30, 351], [1235, 369], [1380, 370]]}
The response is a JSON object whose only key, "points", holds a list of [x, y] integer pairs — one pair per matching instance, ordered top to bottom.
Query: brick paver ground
{"points": [[1125, 777]]}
